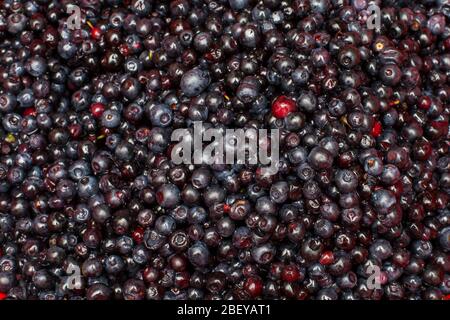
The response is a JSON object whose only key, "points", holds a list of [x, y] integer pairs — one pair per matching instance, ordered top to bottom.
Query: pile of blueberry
{"points": [[93, 207]]}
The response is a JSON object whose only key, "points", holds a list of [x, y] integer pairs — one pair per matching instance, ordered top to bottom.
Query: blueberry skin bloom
{"points": [[194, 82], [320, 158], [88, 179], [346, 181], [168, 195], [383, 199], [381, 249], [198, 254]]}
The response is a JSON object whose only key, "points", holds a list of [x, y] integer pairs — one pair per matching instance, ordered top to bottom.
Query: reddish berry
{"points": [[96, 33], [446, 43], [137, 45], [124, 49], [214, 55], [424, 102], [282, 106], [97, 109], [29, 112], [441, 127], [376, 129], [75, 130], [92, 137], [159, 197], [226, 208], [138, 234], [326, 258], [290, 273], [150, 274], [383, 278], [182, 279], [253, 286], [302, 294], [3, 296], [447, 297]]}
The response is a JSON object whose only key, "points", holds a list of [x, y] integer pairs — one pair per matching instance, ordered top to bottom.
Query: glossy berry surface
{"points": [[283, 106], [93, 205]]}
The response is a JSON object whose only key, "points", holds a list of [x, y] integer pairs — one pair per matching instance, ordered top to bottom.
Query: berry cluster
{"points": [[92, 207]]}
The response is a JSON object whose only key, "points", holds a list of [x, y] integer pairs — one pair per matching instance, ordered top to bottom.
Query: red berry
{"points": [[96, 33], [136, 45], [124, 49], [424, 102], [282, 106], [97, 109], [29, 112], [440, 128], [376, 129], [75, 130], [92, 137], [159, 197], [226, 208], [138, 234], [326, 258], [290, 273], [383, 278], [182, 279], [253, 286], [303, 294], [3, 296], [447, 297]]}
